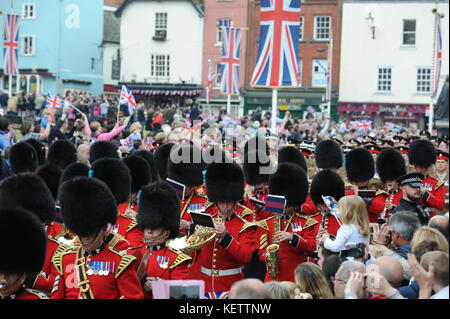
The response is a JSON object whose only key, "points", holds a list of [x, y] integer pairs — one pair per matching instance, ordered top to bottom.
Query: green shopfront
{"points": [[301, 103]]}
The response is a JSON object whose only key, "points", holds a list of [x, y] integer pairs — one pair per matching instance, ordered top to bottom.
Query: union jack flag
{"points": [[231, 43], [11, 44], [437, 58], [277, 62], [211, 76], [127, 99], [53, 101], [365, 125], [149, 144], [217, 295]]}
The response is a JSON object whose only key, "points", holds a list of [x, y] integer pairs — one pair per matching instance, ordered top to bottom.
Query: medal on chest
{"points": [[163, 261], [100, 268]]}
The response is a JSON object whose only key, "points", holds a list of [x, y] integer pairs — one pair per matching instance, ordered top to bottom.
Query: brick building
{"points": [[319, 19]]}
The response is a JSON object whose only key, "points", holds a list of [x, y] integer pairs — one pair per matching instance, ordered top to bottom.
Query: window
{"points": [[28, 11], [161, 21], [221, 23], [322, 25], [409, 32], [300, 33], [27, 45], [160, 65], [319, 73], [218, 74], [384, 79], [423, 83]]}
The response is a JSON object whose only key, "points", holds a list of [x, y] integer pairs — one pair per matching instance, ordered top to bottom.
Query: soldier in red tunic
{"points": [[422, 154], [328, 155], [390, 165], [185, 166], [360, 168], [140, 176], [325, 183], [31, 193], [159, 218], [20, 231], [124, 232], [295, 239], [222, 259], [92, 270]]}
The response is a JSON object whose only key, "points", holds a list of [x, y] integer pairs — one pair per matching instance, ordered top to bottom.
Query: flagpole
{"points": [[434, 80], [229, 104], [274, 110]]}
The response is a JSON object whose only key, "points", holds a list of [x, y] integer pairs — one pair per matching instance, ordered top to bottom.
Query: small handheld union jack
{"points": [[127, 99], [53, 101], [365, 125]]}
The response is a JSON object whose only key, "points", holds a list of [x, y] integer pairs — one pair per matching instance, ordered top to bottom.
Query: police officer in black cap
{"points": [[411, 185]]}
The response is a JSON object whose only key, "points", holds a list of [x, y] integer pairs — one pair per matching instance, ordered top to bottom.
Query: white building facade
{"points": [[161, 49], [386, 60]]}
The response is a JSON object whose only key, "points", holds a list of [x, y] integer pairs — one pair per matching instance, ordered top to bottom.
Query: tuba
{"points": [[273, 256]]}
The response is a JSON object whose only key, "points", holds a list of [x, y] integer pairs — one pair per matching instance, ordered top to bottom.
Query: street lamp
{"points": [[370, 22]]}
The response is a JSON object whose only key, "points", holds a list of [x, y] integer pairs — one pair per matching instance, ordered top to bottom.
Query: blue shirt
{"points": [[404, 250]]}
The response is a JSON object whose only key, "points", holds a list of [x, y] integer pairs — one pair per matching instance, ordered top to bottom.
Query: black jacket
{"points": [[405, 205]]}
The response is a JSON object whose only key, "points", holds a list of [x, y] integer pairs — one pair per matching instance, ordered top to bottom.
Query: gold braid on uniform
{"points": [[247, 211], [132, 225], [58, 256], [182, 257], [124, 263], [36, 293]]}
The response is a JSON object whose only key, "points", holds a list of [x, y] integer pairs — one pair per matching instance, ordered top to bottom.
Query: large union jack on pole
{"points": [[231, 43], [11, 44], [276, 65]]}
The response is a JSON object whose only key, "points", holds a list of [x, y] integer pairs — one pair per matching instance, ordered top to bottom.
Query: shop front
{"points": [[300, 103], [404, 115]]}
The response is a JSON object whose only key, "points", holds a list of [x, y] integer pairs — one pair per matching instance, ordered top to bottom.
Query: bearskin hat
{"points": [[39, 148], [102, 149], [62, 153], [422, 153], [291, 154], [328, 154], [148, 156], [161, 157], [22, 158], [253, 163], [390, 164], [185, 165], [359, 165], [74, 170], [139, 171], [51, 174], [116, 175], [290, 181], [224, 182], [326, 183], [29, 192], [87, 205], [159, 207], [23, 242]]}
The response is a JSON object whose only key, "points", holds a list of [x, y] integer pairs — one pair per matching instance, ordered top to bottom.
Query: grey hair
{"points": [[405, 223], [348, 267], [276, 290]]}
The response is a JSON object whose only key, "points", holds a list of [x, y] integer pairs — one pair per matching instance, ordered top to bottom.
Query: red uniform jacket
{"points": [[435, 195], [196, 201], [375, 206], [308, 207], [258, 212], [127, 227], [232, 253], [291, 254], [163, 262], [46, 278], [120, 282], [26, 293]]}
